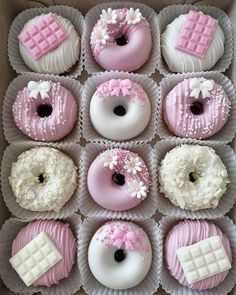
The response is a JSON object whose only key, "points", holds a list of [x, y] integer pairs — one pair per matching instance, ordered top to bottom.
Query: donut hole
{"points": [[122, 40], [196, 108], [44, 110], [119, 110], [192, 177], [41, 178], [118, 179], [119, 255]]}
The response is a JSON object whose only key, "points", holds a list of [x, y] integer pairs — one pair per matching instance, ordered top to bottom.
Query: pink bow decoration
{"points": [[115, 86], [119, 238]]}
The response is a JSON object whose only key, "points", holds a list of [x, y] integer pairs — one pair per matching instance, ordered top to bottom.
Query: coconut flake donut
{"points": [[121, 40], [192, 42], [49, 44], [196, 108], [120, 109], [45, 111], [124, 177], [193, 177], [43, 179], [186, 233], [64, 240], [120, 255]]}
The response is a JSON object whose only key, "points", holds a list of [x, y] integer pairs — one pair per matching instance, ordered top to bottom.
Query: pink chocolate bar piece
{"points": [[196, 34], [43, 37]]}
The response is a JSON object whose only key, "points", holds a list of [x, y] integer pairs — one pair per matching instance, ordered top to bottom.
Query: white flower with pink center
{"points": [[109, 16], [133, 16], [99, 36], [109, 159], [133, 165], [137, 189]]}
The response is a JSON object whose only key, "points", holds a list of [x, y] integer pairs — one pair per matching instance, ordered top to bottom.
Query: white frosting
{"points": [[62, 58], [179, 61], [112, 126], [207, 169], [58, 186], [127, 273]]}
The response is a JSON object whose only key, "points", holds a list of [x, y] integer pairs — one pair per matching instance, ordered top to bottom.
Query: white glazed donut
{"points": [[62, 58], [179, 61], [120, 109], [193, 177], [43, 179], [120, 255]]}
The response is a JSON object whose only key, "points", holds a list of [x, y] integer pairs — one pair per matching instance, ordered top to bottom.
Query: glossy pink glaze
{"points": [[129, 57], [182, 122], [51, 128], [108, 194], [187, 233], [64, 240]]}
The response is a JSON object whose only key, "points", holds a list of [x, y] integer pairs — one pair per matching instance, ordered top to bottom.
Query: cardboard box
{"points": [[9, 9]]}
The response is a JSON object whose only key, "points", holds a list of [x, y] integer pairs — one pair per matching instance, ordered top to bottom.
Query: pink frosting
{"points": [[132, 55], [182, 122], [52, 128], [109, 194], [187, 233], [63, 239]]}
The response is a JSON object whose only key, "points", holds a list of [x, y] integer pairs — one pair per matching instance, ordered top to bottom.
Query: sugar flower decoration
{"points": [[109, 16], [133, 16], [99, 36], [199, 86], [109, 159], [133, 165], [137, 189]]}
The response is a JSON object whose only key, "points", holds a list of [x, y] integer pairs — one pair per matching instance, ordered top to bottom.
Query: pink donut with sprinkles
{"points": [[121, 39], [196, 108], [45, 111], [124, 177]]}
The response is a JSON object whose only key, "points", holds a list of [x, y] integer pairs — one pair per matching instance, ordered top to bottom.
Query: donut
{"points": [[121, 40], [49, 44], [201, 45], [196, 108], [120, 109], [45, 111], [124, 177], [193, 177], [43, 179], [186, 233], [63, 238], [120, 255]]}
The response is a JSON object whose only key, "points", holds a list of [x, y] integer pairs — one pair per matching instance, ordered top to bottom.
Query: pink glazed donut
{"points": [[121, 40], [196, 108], [45, 111], [118, 180], [186, 233], [62, 237]]}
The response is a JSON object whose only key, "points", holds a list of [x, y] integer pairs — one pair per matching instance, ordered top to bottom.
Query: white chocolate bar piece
{"points": [[36, 258], [203, 259]]}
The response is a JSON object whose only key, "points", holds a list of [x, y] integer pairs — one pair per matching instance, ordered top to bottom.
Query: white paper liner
{"points": [[67, 12], [168, 14], [91, 66], [149, 86], [11, 131], [227, 132], [10, 156], [226, 201], [89, 207], [11, 279], [172, 286], [92, 287]]}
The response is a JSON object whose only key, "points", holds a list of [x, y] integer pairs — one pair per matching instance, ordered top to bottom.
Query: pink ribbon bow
{"points": [[115, 86], [119, 238]]}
